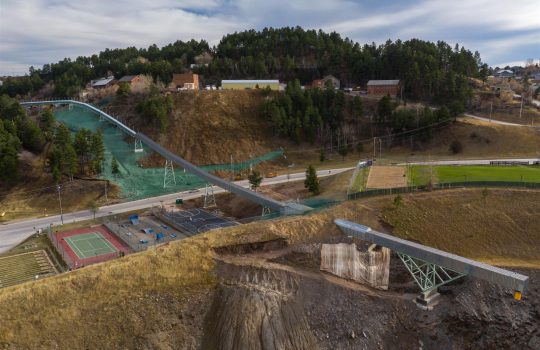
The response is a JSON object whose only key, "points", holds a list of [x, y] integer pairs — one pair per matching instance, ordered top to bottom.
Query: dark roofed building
{"points": [[130, 79], [103, 83], [383, 87]]}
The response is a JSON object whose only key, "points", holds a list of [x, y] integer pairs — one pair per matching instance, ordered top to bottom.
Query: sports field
{"points": [[421, 174], [381, 176], [90, 244], [84, 246]]}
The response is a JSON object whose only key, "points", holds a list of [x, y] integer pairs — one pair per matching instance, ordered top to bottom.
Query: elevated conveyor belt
{"points": [[96, 110], [282, 207], [505, 278]]}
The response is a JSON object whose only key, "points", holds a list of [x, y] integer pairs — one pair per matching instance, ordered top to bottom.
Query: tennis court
{"points": [[90, 244]]}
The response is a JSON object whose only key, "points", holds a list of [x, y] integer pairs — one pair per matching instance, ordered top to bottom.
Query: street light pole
{"points": [[60, 201]]}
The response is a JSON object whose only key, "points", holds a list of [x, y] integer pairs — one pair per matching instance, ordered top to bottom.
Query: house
{"points": [[505, 73], [535, 77], [130, 79], [185, 81], [103, 83], [321, 83], [249, 84], [383, 87]]}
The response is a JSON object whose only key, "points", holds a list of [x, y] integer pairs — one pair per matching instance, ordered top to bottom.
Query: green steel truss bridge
{"points": [[140, 139], [432, 268]]}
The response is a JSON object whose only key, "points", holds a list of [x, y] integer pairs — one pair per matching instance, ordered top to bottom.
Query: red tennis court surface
{"points": [[73, 260]]}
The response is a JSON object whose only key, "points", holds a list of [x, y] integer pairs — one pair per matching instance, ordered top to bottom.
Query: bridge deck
{"points": [[502, 277]]}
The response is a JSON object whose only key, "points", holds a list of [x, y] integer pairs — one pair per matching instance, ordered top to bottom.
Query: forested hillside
{"points": [[430, 71], [330, 118], [17, 132], [82, 154]]}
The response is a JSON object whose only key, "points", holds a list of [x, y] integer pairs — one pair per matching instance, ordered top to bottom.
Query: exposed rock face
{"points": [[345, 260], [256, 308]]}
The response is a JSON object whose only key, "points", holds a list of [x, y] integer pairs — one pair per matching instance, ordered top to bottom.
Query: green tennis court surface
{"points": [[90, 244]]}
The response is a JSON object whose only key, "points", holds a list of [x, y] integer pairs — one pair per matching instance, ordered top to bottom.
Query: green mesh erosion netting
{"points": [[243, 165], [136, 182]]}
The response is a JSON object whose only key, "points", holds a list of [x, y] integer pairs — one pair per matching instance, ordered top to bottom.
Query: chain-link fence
{"points": [[440, 186]]}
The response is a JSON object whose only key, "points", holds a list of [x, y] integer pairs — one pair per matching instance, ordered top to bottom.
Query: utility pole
{"points": [[521, 107], [490, 110], [374, 148], [380, 148], [232, 172], [106, 198], [60, 201]]}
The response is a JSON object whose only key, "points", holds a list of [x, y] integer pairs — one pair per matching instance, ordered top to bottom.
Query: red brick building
{"points": [[130, 79], [187, 81], [383, 87]]}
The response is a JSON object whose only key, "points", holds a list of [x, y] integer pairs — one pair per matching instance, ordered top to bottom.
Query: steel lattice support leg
{"points": [[139, 147], [169, 178], [209, 198], [265, 211], [428, 276]]}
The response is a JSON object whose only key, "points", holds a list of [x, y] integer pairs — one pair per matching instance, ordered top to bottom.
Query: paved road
{"points": [[494, 121], [472, 161], [14, 232]]}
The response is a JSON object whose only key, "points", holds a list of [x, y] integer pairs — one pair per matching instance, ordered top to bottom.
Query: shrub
{"points": [[456, 147], [397, 200]]}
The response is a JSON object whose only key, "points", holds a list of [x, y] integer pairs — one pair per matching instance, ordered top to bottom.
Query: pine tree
{"points": [[123, 90], [47, 122], [62, 137], [82, 147], [97, 150], [343, 151], [9, 156], [322, 156], [69, 161], [115, 170], [57, 176], [255, 179], [312, 182]]}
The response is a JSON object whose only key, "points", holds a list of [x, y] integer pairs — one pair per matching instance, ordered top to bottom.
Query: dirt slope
{"points": [[207, 127], [159, 299]]}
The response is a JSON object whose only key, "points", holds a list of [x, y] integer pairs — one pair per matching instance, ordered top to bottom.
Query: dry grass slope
{"points": [[207, 127], [499, 226], [145, 300]]}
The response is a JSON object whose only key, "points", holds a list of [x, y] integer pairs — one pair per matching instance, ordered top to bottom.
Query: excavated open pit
{"points": [[273, 296]]}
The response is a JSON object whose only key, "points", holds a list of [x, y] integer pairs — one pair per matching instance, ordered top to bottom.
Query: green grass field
{"points": [[421, 174], [360, 181], [90, 244]]}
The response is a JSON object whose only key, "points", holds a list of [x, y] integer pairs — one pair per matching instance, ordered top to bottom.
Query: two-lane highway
{"points": [[12, 233]]}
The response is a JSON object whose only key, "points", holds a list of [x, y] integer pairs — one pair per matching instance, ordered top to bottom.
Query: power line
{"points": [[369, 140]]}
